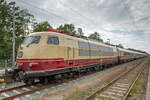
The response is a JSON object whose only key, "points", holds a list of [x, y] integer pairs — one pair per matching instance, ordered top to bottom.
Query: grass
{"points": [[105, 84], [140, 84], [76, 93], [97, 96], [139, 96], [64, 98]]}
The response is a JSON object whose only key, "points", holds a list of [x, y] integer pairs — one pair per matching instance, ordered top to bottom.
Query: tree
{"points": [[22, 18], [42, 26], [68, 28], [80, 32], [95, 36], [120, 46], [137, 50]]}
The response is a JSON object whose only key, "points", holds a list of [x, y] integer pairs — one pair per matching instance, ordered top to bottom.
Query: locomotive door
{"points": [[70, 51]]}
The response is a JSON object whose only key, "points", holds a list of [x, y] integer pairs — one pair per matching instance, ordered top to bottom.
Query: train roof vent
{"points": [[63, 32]]}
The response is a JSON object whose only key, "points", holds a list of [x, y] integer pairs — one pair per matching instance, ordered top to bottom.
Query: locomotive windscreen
{"points": [[32, 40]]}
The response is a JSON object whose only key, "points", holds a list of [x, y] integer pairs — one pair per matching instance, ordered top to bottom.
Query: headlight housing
{"points": [[20, 54]]}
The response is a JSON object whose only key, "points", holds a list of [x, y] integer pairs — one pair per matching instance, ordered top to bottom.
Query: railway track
{"points": [[119, 88], [19, 91], [14, 92]]}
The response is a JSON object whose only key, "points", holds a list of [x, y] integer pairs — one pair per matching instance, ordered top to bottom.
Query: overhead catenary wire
{"points": [[43, 10], [50, 13], [81, 15]]}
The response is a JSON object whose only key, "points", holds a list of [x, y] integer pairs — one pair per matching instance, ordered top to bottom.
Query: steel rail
{"points": [[17, 87], [43, 87], [13, 88], [103, 88], [124, 98]]}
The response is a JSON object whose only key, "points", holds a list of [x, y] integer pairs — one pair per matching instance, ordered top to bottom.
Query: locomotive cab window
{"points": [[32, 40], [53, 40]]}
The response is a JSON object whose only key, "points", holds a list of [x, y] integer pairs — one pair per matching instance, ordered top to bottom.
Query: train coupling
{"points": [[11, 75], [6, 78]]}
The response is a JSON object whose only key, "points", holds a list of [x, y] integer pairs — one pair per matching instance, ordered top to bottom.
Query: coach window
{"points": [[53, 40]]}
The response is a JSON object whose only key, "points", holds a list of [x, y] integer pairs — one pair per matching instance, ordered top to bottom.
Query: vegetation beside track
{"points": [[138, 91], [80, 95]]}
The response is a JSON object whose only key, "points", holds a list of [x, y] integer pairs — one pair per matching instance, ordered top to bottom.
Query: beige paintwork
{"points": [[67, 48]]}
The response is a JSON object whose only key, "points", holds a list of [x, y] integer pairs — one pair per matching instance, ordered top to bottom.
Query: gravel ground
{"points": [[10, 85], [73, 89], [64, 90]]}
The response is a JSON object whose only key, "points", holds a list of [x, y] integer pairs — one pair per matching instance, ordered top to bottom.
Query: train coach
{"points": [[45, 54], [128, 55]]}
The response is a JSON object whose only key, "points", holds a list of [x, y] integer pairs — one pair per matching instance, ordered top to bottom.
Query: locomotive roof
{"points": [[81, 39]]}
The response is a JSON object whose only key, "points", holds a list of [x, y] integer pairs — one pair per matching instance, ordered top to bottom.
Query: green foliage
{"points": [[22, 18], [42, 26], [68, 28], [80, 32], [95, 36], [120, 46], [137, 50], [142, 82], [105, 84], [135, 87], [89, 93], [97, 96], [140, 97], [64, 98]]}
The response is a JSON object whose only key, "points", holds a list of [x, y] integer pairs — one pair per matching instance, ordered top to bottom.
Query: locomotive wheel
{"points": [[17, 78], [41, 80], [46, 80], [29, 82]]}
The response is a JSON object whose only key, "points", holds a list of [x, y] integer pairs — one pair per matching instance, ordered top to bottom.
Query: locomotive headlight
{"points": [[20, 54]]}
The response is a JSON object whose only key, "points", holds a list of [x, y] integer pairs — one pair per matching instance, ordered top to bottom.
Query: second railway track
{"points": [[119, 88]]}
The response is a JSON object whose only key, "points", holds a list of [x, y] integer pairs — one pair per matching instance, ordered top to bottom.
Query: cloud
{"points": [[122, 21]]}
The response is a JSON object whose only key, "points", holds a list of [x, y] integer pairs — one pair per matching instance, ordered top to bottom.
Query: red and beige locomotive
{"points": [[43, 54]]}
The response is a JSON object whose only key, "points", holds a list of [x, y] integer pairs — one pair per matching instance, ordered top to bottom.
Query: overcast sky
{"points": [[122, 21]]}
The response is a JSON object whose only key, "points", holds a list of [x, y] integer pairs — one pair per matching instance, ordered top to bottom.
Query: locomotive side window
{"points": [[32, 40], [53, 40], [83, 45], [83, 49], [94, 49], [106, 51]]}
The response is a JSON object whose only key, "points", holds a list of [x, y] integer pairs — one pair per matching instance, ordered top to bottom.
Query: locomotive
{"points": [[51, 53]]}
